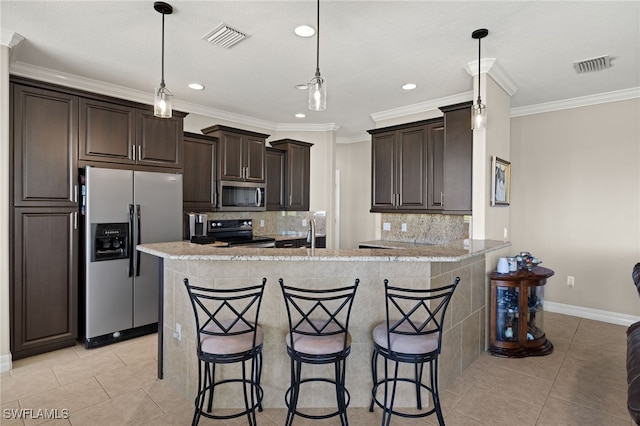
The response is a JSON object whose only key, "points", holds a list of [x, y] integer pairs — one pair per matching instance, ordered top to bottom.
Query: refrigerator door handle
{"points": [[258, 197], [139, 233], [130, 242]]}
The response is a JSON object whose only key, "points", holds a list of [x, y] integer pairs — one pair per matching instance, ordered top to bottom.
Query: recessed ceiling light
{"points": [[304, 31], [196, 86], [302, 86], [409, 86], [300, 115]]}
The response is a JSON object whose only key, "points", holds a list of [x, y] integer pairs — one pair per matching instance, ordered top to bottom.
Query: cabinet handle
{"points": [[133, 152], [139, 152], [75, 193], [442, 198], [290, 200], [75, 220]]}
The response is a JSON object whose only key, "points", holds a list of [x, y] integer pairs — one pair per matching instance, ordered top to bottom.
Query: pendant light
{"points": [[317, 85], [163, 96], [479, 110]]}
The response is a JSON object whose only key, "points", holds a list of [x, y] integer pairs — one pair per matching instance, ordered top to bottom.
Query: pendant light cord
{"points": [[318, 41], [479, 56], [162, 78]]}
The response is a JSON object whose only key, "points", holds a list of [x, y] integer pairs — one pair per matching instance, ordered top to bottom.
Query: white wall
{"points": [[576, 201], [357, 224], [5, 354]]}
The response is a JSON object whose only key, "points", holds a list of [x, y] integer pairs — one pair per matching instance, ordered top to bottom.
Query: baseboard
{"points": [[592, 314], [5, 363]]}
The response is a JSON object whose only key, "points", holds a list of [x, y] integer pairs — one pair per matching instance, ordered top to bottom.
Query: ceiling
{"points": [[368, 49]]}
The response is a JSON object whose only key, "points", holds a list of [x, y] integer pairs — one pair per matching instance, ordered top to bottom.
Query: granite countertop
{"points": [[450, 252]]}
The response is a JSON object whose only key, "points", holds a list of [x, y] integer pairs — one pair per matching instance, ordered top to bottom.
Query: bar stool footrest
{"points": [[257, 404], [398, 413], [319, 416]]}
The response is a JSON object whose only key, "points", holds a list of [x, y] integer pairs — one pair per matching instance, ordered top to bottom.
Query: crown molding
{"points": [[10, 38], [491, 67], [601, 98], [421, 107], [301, 127], [364, 137]]}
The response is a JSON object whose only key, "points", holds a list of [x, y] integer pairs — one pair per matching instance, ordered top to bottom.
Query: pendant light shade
{"points": [[317, 85], [162, 102], [479, 110]]}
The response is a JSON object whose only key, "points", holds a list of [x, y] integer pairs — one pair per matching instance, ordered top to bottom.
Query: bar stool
{"points": [[227, 332], [318, 334], [412, 334]]}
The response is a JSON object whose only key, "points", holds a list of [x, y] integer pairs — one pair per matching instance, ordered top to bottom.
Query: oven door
{"points": [[242, 196]]}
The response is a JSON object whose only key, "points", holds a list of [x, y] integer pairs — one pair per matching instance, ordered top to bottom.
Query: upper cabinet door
{"points": [[107, 132], [45, 139], [159, 140], [411, 149], [254, 154], [231, 161], [458, 161], [436, 166], [383, 169], [199, 175], [298, 177], [275, 179]]}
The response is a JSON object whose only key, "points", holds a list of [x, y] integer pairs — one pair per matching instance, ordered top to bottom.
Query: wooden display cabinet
{"points": [[517, 314]]}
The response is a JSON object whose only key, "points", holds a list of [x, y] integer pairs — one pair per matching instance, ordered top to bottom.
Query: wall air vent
{"points": [[224, 36], [594, 64]]}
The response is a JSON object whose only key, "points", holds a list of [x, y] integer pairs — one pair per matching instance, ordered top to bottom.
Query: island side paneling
{"points": [[463, 341]]}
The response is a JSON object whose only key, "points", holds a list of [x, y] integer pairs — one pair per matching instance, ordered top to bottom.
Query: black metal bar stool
{"points": [[228, 332], [318, 334], [412, 334]]}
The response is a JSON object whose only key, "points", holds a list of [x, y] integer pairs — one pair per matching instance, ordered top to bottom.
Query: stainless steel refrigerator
{"points": [[123, 208]]}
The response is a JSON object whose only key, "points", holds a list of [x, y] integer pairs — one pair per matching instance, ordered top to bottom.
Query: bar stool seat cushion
{"points": [[230, 344], [406, 344], [319, 345]]}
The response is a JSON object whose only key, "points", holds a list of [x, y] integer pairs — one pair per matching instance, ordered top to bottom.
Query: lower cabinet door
{"points": [[44, 297]]}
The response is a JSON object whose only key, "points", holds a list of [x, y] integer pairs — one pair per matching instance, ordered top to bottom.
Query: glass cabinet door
{"points": [[535, 302], [508, 314]]}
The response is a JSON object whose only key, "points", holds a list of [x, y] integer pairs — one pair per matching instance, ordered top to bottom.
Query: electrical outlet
{"points": [[304, 222], [261, 223], [386, 226], [404, 227], [571, 281], [178, 333]]}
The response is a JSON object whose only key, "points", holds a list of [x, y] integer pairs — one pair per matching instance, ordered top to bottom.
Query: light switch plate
{"points": [[386, 226], [404, 227]]}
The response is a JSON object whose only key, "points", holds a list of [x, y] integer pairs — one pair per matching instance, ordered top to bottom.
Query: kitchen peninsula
{"points": [[430, 266]]}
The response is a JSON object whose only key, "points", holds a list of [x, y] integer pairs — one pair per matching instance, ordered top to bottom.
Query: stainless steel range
{"points": [[238, 232]]}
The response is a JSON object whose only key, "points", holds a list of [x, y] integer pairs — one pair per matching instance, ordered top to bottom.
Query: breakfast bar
{"points": [[219, 267]]}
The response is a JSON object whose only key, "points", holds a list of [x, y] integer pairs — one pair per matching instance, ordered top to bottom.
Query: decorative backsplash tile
{"points": [[277, 222], [424, 228]]}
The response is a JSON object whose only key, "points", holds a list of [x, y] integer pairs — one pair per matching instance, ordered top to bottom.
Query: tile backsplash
{"points": [[277, 222], [424, 228]]}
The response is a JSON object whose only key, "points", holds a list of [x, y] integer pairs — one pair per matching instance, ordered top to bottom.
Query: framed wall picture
{"points": [[500, 181]]}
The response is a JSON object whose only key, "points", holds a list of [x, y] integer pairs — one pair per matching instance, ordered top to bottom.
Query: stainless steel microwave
{"points": [[242, 196]]}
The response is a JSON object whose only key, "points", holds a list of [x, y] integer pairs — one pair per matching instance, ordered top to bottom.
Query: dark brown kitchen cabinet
{"points": [[107, 132], [115, 133], [159, 140], [44, 141], [436, 151], [241, 153], [458, 158], [399, 167], [297, 172], [199, 173], [275, 179], [44, 294]]}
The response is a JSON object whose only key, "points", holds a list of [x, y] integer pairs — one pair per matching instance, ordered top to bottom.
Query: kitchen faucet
{"points": [[311, 235]]}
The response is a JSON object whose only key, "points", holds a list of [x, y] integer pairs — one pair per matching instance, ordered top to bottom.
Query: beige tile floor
{"points": [[583, 382]]}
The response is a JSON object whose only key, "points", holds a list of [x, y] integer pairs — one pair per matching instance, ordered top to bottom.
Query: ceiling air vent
{"points": [[224, 36], [594, 64]]}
